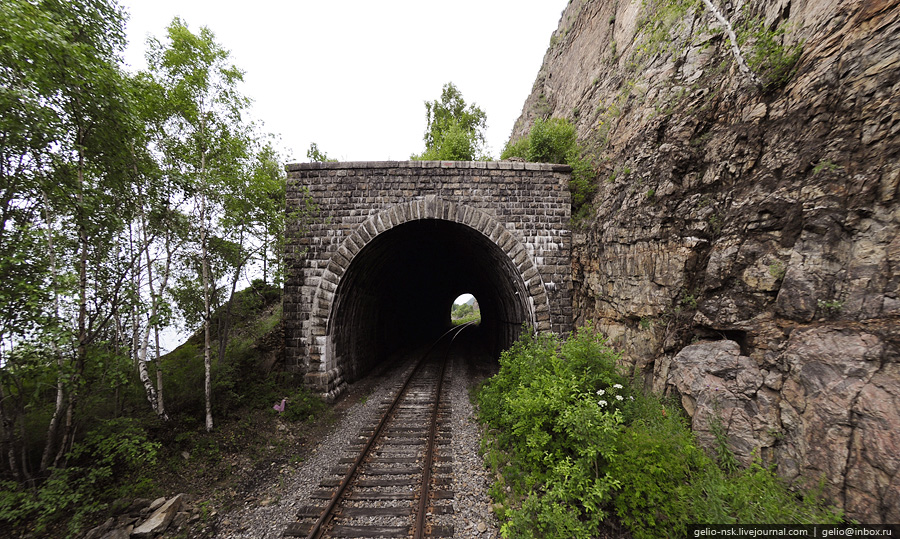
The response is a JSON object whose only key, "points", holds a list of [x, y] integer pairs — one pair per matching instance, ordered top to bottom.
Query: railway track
{"points": [[394, 479]]}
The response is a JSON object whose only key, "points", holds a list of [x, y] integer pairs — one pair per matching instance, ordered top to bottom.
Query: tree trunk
{"points": [[732, 39], [204, 262], [82, 336], [142, 337], [207, 341], [143, 344], [145, 377], [60, 380], [161, 410], [54, 420], [7, 429], [67, 433], [23, 447]]}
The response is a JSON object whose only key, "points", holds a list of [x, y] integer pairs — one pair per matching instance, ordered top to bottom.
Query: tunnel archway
{"points": [[393, 282]]}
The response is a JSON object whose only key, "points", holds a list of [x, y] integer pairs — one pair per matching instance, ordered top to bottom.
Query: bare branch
{"points": [[735, 49]]}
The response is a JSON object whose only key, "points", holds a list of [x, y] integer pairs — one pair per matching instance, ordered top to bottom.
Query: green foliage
{"points": [[663, 20], [768, 57], [64, 127], [454, 131], [549, 141], [555, 141], [317, 156], [826, 165], [109, 185], [264, 210], [715, 223], [777, 269], [689, 301], [830, 307], [462, 310], [256, 312], [464, 313], [474, 317], [302, 405], [555, 408], [573, 443], [116, 448], [655, 458]]}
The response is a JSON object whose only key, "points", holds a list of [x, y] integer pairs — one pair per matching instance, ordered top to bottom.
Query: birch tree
{"points": [[206, 141], [66, 196], [157, 233]]}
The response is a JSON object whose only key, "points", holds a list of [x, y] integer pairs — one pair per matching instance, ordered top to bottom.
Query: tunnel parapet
{"points": [[393, 240]]}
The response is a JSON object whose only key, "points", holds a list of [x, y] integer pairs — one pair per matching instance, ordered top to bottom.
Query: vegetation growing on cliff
{"points": [[759, 50], [769, 58], [554, 141], [576, 447]]}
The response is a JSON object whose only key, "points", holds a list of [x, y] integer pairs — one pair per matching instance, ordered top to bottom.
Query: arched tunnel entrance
{"points": [[393, 243], [398, 291]]}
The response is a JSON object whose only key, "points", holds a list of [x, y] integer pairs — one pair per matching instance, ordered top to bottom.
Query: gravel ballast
{"points": [[267, 513]]}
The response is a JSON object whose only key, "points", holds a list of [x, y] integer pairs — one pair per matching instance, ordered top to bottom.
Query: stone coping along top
{"points": [[485, 165]]}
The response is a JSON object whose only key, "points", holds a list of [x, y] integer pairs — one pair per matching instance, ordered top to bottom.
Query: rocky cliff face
{"points": [[744, 249]]}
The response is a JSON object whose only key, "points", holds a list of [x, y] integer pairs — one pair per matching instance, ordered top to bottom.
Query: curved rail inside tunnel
{"points": [[397, 290]]}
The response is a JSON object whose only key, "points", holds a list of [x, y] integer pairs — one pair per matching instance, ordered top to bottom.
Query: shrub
{"points": [[769, 58], [555, 141], [303, 405], [556, 414], [573, 443], [116, 448]]}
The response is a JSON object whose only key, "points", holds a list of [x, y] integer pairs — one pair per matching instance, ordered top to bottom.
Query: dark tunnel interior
{"points": [[398, 292]]}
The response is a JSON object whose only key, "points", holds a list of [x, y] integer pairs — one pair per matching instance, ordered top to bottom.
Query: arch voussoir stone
{"points": [[379, 225], [353, 244]]}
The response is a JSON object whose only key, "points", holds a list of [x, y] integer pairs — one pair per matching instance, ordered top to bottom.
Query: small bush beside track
{"points": [[577, 448]]}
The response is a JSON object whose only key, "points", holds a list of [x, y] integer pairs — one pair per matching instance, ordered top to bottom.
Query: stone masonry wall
{"points": [[524, 208]]}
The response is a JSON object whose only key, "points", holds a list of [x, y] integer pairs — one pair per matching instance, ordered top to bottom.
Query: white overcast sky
{"points": [[353, 75]]}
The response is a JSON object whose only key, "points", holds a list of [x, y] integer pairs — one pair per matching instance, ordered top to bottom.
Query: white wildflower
{"points": [[617, 386], [601, 392], [619, 397], [602, 403]]}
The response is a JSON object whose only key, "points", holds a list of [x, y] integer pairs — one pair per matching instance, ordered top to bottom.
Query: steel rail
{"points": [[318, 529], [419, 529]]}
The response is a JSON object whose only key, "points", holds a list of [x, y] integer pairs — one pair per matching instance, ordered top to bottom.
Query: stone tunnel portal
{"points": [[394, 243], [399, 289]]}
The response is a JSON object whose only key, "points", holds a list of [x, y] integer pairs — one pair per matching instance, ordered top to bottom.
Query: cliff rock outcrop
{"points": [[744, 249]]}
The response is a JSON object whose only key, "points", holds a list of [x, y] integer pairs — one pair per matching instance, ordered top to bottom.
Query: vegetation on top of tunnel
{"points": [[454, 130], [554, 140], [577, 448]]}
